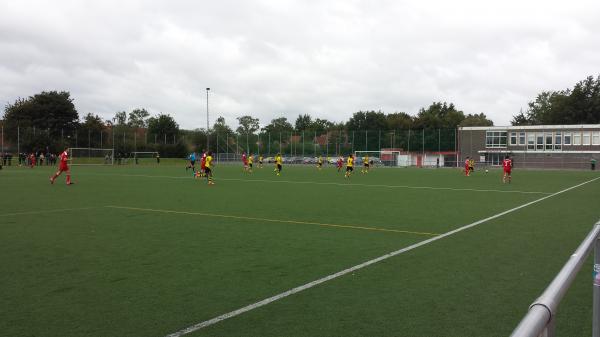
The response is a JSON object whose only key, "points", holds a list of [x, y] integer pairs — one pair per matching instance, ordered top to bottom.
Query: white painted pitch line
{"points": [[339, 184], [386, 186], [47, 211], [309, 285]]}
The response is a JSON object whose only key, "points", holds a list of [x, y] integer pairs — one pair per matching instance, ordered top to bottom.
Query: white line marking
{"points": [[334, 184], [47, 211], [292, 291]]}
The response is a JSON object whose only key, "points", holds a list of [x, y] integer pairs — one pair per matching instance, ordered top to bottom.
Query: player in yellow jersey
{"points": [[260, 160], [250, 161], [320, 162], [278, 163], [208, 166], [349, 166], [365, 168]]}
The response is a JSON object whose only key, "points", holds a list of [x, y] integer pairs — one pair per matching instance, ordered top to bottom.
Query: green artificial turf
{"points": [[148, 250]]}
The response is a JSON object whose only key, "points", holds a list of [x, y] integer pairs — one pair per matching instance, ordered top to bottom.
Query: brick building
{"points": [[539, 146]]}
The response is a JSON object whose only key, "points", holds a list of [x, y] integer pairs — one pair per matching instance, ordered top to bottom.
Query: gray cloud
{"points": [[274, 58]]}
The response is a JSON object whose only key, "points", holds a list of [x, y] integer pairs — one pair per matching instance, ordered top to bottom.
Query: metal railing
{"points": [[540, 320]]}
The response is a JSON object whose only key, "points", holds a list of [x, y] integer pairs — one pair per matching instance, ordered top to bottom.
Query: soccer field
{"points": [[150, 251]]}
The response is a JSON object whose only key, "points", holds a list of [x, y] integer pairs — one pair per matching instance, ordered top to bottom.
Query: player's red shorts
{"points": [[63, 167], [507, 171]]}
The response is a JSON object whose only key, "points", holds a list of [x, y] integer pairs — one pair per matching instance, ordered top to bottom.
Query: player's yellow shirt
{"points": [[260, 158], [250, 159], [278, 160], [320, 160], [365, 160], [208, 161], [350, 162]]}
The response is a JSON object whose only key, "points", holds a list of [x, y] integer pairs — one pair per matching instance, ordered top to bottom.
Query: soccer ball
{"points": [[486, 171]]}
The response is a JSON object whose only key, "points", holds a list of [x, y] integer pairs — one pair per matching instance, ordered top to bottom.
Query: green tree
{"points": [[580, 105], [49, 110], [438, 115], [120, 118], [138, 118], [367, 120], [476, 120], [399, 121], [303, 122], [93, 123], [162, 125], [248, 125], [278, 125], [321, 125], [220, 127]]}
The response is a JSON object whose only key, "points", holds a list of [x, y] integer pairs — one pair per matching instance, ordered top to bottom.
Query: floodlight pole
{"points": [[207, 123]]}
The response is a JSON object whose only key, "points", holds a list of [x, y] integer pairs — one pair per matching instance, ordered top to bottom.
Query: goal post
{"points": [[91, 156], [148, 157], [385, 157]]}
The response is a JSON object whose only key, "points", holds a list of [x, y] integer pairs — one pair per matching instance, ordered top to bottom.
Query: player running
{"points": [[32, 160], [260, 160], [245, 161], [250, 161], [192, 162], [203, 163], [278, 163], [320, 163], [340, 163], [472, 165], [208, 166], [349, 166], [63, 167], [467, 167], [507, 167], [365, 168]]}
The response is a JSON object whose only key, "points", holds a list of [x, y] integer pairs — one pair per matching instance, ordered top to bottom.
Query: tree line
{"points": [[577, 105]]}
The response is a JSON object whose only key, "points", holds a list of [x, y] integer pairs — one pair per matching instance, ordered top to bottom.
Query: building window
{"points": [[495, 138], [513, 138], [521, 138], [577, 138], [595, 138], [567, 139], [585, 139], [531, 141], [549, 141], [557, 141], [539, 143], [494, 159]]}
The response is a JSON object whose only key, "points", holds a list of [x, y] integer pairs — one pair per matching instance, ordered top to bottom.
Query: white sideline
{"points": [[332, 184], [292, 291]]}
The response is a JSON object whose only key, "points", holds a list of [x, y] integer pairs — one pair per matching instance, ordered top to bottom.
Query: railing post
{"points": [[596, 296]]}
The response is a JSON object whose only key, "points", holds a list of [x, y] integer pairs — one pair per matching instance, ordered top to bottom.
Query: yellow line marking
{"points": [[48, 211], [271, 220]]}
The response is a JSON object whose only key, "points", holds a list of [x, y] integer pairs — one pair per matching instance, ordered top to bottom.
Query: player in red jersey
{"points": [[32, 160], [245, 161], [340, 162], [203, 163], [507, 166], [63, 167], [467, 167]]}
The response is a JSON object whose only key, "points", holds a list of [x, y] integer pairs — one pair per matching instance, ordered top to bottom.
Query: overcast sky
{"points": [[283, 58]]}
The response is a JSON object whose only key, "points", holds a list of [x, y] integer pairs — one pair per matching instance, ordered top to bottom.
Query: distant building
{"points": [[538, 146]]}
